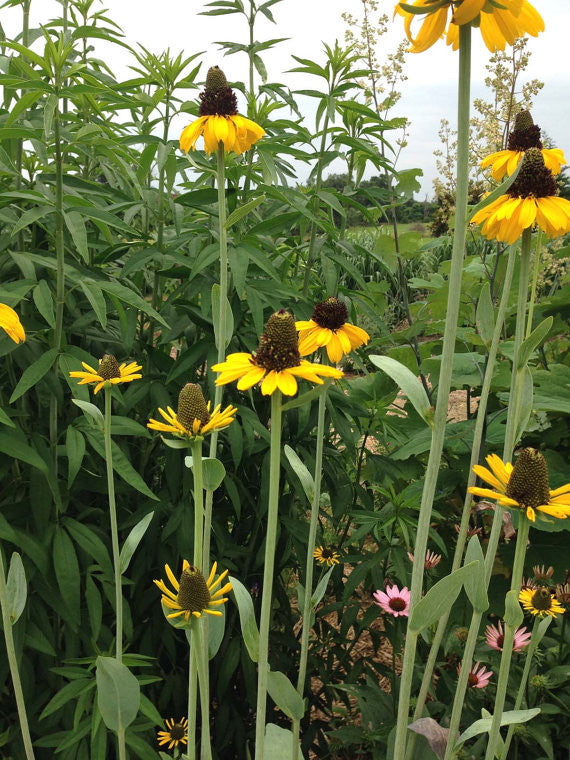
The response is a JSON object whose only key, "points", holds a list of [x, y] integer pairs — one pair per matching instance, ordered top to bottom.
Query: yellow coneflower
{"points": [[499, 22], [219, 120], [525, 135], [532, 198], [10, 323], [328, 327], [277, 363], [109, 371], [193, 417], [524, 485], [325, 556], [193, 594], [540, 602], [175, 734]]}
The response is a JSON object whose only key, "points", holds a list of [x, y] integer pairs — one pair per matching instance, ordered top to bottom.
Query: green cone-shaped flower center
{"points": [[215, 79], [533, 179], [331, 313], [279, 344], [109, 367], [191, 406], [528, 483], [193, 594], [541, 599]]}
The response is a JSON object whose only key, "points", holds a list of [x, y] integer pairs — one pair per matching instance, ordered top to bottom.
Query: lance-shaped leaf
{"points": [[408, 382], [440, 598]]}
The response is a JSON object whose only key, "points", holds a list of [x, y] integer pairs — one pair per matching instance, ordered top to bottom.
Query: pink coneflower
{"points": [[432, 559], [393, 601], [495, 636], [478, 677]]}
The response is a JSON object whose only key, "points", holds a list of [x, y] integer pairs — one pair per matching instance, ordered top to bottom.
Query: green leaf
{"points": [[244, 210], [76, 226], [130, 297], [97, 300], [44, 302], [485, 315], [216, 317], [530, 344], [34, 373], [409, 384], [303, 398], [526, 403], [90, 410], [5, 420], [75, 450], [213, 472], [301, 472], [133, 540], [67, 573], [475, 584], [16, 588], [319, 592], [439, 599], [513, 611], [216, 628], [249, 630], [118, 693], [66, 694], [284, 694], [483, 725], [278, 742]]}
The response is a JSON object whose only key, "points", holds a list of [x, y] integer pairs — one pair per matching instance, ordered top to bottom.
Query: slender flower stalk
{"points": [[537, 252], [440, 415], [477, 438], [269, 564], [518, 566], [309, 567], [200, 646], [13, 663]]}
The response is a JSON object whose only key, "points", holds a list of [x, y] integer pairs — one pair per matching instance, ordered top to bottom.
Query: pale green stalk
{"points": [[534, 282], [444, 384], [477, 438], [114, 544], [269, 564], [518, 566], [307, 606], [200, 646], [195, 654], [13, 663], [522, 686]]}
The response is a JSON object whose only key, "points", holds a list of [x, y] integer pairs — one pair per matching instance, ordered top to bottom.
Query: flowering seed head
{"points": [[216, 80], [218, 98], [525, 133], [533, 179], [330, 313], [279, 344], [109, 367], [191, 406], [528, 483], [541, 573], [563, 593], [193, 594], [541, 599], [177, 732]]}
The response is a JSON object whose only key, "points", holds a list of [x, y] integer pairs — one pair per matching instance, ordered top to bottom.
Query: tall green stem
{"points": [[318, 183], [534, 282], [444, 384], [477, 438], [197, 474], [269, 564], [518, 566], [307, 606], [200, 645], [13, 663], [192, 702]]}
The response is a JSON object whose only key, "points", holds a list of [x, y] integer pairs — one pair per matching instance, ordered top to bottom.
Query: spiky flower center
{"points": [[218, 98], [525, 134], [533, 178], [330, 313], [279, 344], [109, 367], [191, 406], [528, 483], [326, 553], [563, 593], [193, 594], [541, 599], [397, 604], [500, 640], [472, 679], [177, 732]]}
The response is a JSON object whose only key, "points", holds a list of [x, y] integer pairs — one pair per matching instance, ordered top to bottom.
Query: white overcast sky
{"points": [[428, 95]]}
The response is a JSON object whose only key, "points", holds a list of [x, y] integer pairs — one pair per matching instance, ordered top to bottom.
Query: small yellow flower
{"points": [[500, 23], [219, 121], [532, 198], [10, 323], [328, 327], [277, 363], [109, 371], [193, 417], [524, 486], [326, 556], [193, 594], [540, 602], [175, 734]]}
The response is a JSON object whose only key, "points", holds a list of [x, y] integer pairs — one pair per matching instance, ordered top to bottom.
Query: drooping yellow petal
{"points": [[467, 11]]}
